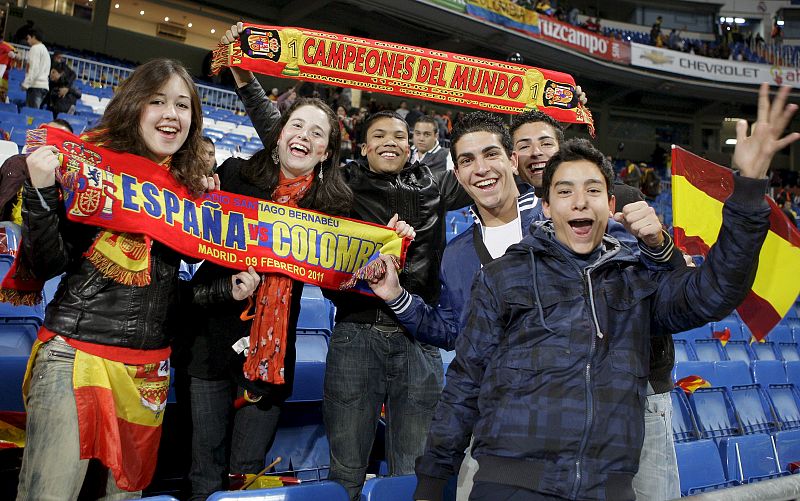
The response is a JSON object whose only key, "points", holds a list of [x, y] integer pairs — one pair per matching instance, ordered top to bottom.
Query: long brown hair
{"points": [[119, 127], [331, 194]]}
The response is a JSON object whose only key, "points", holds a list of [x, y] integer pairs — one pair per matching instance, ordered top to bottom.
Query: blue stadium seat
{"points": [[16, 96], [9, 107], [35, 117], [78, 123], [214, 134], [18, 136], [239, 138], [251, 148], [50, 288], [315, 312], [733, 324], [703, 332], [781, 334], [16, 338], [709, 350], [739, 350], [683, 351], [764, 351], [789, 352], [703, 369], [12, 372], [732, 372], [767, 372], [793, 372], [309, 373], [785, 399], [753, 409], [714, 412], [684, 428], [301, 443], [787, 444], [749, 458], [708, 478], [389, 488], [313, 491]]}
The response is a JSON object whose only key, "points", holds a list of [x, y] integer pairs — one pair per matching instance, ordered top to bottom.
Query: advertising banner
{"points": [[584, 41], [708, 68]]}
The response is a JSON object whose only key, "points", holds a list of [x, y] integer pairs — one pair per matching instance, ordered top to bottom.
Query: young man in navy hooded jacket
{"points": [[551, 380]]}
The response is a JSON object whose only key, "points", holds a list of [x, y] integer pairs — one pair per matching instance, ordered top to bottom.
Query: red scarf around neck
{"points": [[265, 356]]}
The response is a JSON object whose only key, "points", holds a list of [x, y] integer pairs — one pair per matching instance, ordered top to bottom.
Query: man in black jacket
{"points": [[372, 360]]}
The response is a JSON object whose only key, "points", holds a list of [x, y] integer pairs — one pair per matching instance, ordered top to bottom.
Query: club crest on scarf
{"points": [[261, 44]]}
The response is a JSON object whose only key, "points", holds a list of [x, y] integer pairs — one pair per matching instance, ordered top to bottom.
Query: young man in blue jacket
{"points": [[537, 138], [485, 167], [551, 379]]}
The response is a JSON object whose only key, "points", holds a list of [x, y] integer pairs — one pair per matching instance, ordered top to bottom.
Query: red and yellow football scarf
{"points": [[416, 72], [135, 200], [120, 256], [265, 356]]}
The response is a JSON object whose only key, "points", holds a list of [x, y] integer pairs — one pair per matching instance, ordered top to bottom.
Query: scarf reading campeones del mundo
{"points": [[390, 68], [136, 200]]}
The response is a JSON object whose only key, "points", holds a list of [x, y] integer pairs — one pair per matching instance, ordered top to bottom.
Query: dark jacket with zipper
{"points": [[421, 198], [88, 306], [211, 332], [550, 372]]}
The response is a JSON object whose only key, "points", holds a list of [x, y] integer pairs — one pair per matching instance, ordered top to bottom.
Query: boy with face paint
{"points": [[372, 359], [551, 366]]}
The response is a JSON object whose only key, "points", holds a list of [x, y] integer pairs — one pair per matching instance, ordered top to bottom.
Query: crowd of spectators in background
{"points": [[730, 42]]}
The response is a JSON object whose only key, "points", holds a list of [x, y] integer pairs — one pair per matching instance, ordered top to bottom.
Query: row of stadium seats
{"points": [[714, 350], [735, 372], [739, 434], [375, 489]]}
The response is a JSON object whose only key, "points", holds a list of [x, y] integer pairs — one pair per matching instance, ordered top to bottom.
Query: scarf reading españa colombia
{"points": [[136, 201]]}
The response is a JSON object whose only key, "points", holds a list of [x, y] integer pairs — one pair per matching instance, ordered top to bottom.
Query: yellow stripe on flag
{"points": [[697, 213], [700, 215], [776, 278], [93, 371]]}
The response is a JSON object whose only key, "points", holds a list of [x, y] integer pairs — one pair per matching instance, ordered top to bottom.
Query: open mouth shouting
{"points": [[582, 227]]}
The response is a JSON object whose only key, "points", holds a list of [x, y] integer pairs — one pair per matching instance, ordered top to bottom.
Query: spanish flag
{"points": [[699, 188], [691, 383], [120, 409]]}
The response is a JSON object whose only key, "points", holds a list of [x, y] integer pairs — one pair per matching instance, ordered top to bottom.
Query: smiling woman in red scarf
{"points": [[241, 364], [98, 376]]}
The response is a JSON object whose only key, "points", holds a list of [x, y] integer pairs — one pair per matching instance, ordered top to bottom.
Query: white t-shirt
{"points": [[498, 238]]}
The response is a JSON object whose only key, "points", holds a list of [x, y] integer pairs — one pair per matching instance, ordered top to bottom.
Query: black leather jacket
{"points": [[419, 197], [88, 306]]}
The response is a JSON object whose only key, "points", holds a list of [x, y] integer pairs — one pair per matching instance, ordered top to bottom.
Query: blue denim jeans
{"points": [[35, 97], [369, 365], [219, 431], [51, 464], [657, 479]]}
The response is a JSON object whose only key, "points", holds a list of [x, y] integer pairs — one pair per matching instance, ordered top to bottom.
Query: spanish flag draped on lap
{"points": [[699, 188]]}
